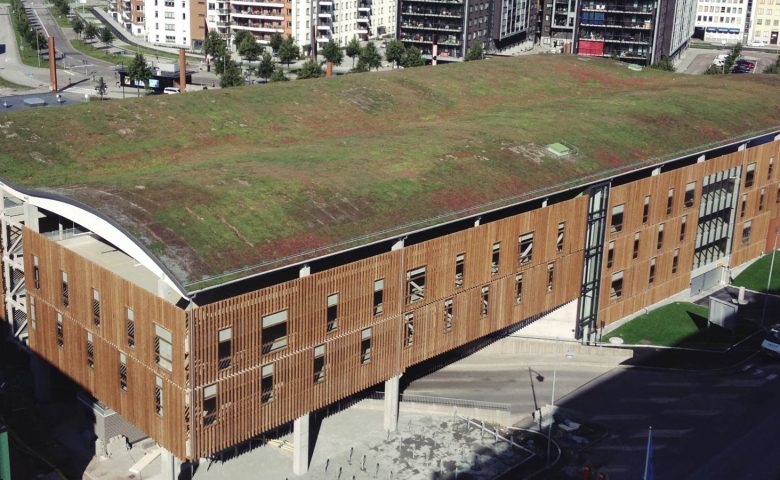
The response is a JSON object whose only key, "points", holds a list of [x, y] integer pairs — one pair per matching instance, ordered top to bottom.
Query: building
{"points": [[130, 13], [262, 19], [343, 20], [557, 22], [176, 23], [723, 23], [765, 24], [451, 27], [639, 32], [216, 291]]}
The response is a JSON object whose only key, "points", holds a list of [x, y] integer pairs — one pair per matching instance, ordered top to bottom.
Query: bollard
{"points": [[349, 460], [327, 462], [363, 464], [377, 471], [586, 472], [339, 477]]}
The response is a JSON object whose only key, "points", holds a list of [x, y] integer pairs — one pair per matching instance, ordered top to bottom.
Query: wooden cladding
{"points": [[656, 234], [362, 317], [121, 377]]}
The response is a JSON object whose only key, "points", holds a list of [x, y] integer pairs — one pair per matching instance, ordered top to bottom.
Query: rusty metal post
{"points": [[52, 66], [182, 71]]}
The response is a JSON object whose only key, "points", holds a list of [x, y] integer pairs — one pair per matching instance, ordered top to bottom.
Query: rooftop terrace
{"points": [[258, 177]]}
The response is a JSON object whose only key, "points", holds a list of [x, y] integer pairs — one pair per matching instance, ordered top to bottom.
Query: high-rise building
{"points": [[130, 13], [765, 19], [343, 20], [719, 22], [176, 23]]}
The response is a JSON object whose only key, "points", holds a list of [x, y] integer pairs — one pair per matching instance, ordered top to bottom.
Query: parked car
{"points": [[757, 43], [720, 60], [171, 91], [771, 343]]}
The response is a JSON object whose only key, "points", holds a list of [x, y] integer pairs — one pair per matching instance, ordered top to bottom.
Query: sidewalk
{"points": [[11, 66]]}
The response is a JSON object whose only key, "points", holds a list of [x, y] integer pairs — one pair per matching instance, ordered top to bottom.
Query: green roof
{"points": [[258, 177]]}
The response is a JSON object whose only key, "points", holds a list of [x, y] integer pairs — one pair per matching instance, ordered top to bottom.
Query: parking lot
{"points": [[697, 60]]}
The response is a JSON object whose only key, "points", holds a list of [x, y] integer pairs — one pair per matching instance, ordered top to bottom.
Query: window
{"points": [[169, 15], [771, 168], [750, 174], [690, 193], [777, 194], [761, 195], [670, 201], [743, 207], [646, 209], [617, 218], [683, 225], [746, 227], [560, 238], [660, 242], [526, 248], [635, 253], [610, 254], [495, 259], [676, 260], [460, 266], [36, 273], [651, 274], [550, 276], [415, 285], [518, 288], [616, 289], [65, 292], [379, 296], [485, 303], [96, 307], [33, 312], [333, 312], [448, 315], [130, 327], [409, 329], [274, 331], [60, 333], [365, 346], [163, 347], [224, 348], [90, 350], [319, 363], [122, 372], [267, 383], [158, 396], [210, 405]]}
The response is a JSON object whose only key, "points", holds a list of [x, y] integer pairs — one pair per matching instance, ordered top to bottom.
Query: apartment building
{"points": [[130, 13], [341, 21], [557, 22], [720, 22], [176, 23], [765, 25], [638, 32], [212, 356]]}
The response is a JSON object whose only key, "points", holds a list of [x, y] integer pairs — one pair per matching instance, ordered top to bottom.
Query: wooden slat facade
{"points": [[637, 292], [116, 295], [241, 413]]}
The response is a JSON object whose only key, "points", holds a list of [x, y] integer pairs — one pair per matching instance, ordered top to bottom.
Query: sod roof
{"points": [[269, 175]]}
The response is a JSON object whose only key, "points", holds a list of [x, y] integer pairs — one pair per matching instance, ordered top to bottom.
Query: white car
{"points": [[758, 43], [720, 60], [171, 91], [771, 343]]}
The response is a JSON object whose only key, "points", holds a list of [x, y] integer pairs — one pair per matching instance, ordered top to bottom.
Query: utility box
{"points": [[168, 67]]}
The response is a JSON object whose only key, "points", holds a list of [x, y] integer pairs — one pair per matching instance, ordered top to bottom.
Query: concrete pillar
{"points": [[31, 216], [41, 373], [392, 392], [301, 453], [170, 466]]}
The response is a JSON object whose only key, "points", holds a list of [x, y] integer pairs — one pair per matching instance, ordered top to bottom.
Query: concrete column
{"points": [[31, 216], [41, 372], [391, 403], [301, 452], [170, 466]]}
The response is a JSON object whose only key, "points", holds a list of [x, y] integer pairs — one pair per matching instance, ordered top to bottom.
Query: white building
{"points": [[341, 20], [765, 21], [723, 22], [168, 23]]}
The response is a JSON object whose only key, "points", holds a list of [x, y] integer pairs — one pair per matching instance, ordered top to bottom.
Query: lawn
{"points": [[62, 20], [90, 50], [28, 55], [7, 84], [217, 180], [755, 276], [678, 324]]}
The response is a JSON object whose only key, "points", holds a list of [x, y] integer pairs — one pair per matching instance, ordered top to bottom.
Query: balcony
{"points": [[450, 2], [258, 4], [326, 4], [364, 9], [646, 9], [427, 12], [325, 15], [257, 16], [364, 20], [614, 23], [431, 26], [258, 28], [324, 28], [323, 39], [428, 40]]}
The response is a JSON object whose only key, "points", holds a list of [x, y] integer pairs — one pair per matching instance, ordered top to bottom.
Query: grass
{"points": [[62, 20], [100, 54], [28, 55], [8, 84], [265, 171], [755, 276], [679, 324]]}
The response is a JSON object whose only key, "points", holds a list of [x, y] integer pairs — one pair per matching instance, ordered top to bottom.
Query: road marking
{"points": [[747, 367], [758, 371], [771, 376], [665, 433]]}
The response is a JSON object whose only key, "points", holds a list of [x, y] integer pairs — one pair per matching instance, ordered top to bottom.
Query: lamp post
{"points": [[769, 277]]}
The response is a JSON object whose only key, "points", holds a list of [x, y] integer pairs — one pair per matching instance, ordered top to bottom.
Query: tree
{"points": [[78, 26], [90, 31], [106, 36], [238, 38], [276, 41], [214, 45], [249, 48], [353, 49], [288, 51], [395, 51], [476, 52], [332, 53], [369, 57], [732, 57], [413, 58], [665, 63], [266, 67], [310, 69], [713, 70], [139, 72], [231, 76], [279, 76], [101, 87]]}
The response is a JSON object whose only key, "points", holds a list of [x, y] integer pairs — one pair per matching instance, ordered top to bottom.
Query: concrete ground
{"points": [[696, 60]]}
